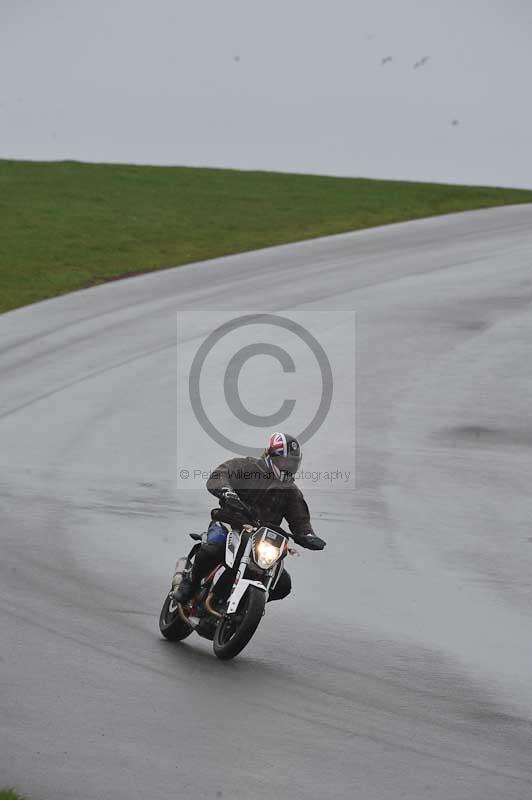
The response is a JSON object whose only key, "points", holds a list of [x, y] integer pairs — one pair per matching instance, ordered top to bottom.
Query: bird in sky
{"points": [[385, 60], [421, 62]]}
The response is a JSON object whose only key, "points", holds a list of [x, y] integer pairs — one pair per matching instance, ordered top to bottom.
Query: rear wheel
{"points": [[171, 624], [235, 630]]}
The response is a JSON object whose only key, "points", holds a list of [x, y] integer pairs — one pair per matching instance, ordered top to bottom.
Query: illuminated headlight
{"points": [[266, 554]]}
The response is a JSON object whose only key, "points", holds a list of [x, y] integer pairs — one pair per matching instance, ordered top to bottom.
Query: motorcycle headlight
{"points": [[266, 554]]}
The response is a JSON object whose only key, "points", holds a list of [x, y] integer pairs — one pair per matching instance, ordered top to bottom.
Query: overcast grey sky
{"points": [[284, 85]]}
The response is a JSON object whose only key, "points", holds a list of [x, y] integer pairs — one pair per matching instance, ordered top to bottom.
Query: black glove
{"points": [[230, 498], [311, 542]]}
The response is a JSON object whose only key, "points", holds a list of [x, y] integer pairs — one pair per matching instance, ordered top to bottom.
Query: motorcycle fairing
{"points": [[232, 543]]}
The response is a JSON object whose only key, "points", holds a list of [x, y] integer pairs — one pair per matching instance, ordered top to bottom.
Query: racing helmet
{"points": [[283, 456]]}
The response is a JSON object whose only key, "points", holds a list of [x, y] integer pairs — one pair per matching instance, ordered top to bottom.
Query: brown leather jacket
{"points": [[270, 500]]}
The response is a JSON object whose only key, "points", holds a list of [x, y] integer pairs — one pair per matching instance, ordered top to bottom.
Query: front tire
{"points": [[171, 624], [235, 630]]}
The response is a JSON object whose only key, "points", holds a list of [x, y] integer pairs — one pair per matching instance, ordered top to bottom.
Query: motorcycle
{"points": [[232, 599]]}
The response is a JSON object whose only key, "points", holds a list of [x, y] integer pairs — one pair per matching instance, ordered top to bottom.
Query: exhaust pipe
{"points": [[210, 609]]}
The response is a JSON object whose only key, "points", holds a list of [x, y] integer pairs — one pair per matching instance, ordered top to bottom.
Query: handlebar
{"points": [[252, 520], [257, 523]]}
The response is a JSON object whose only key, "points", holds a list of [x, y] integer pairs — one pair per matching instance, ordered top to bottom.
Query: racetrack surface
{"points": [[401, 664]]}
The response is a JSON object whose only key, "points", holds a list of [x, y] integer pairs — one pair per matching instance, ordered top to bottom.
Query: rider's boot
{"points": [[206, 559], [186, 589]]}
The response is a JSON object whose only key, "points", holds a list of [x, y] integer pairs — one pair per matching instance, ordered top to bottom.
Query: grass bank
{"points": [[68, 225], [8, 794]]}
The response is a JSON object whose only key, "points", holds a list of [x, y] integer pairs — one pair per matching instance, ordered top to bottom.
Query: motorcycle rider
{"points": [[265, 486]]}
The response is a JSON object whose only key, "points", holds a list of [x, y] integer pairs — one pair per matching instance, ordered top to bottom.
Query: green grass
{"points": [[67, 225], [8, 794]]}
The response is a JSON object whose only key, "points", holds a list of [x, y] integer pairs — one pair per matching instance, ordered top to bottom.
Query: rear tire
{"points": [[171, 624], [235, 630]]}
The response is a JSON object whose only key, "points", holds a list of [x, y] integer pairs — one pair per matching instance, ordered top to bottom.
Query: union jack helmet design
{"points": [[283, 456]]}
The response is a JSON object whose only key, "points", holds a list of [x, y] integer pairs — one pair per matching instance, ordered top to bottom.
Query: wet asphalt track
{"points": [[402, 664]]}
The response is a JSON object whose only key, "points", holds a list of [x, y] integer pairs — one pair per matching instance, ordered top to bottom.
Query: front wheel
{"points": [[171, 624], [235, 630]]}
